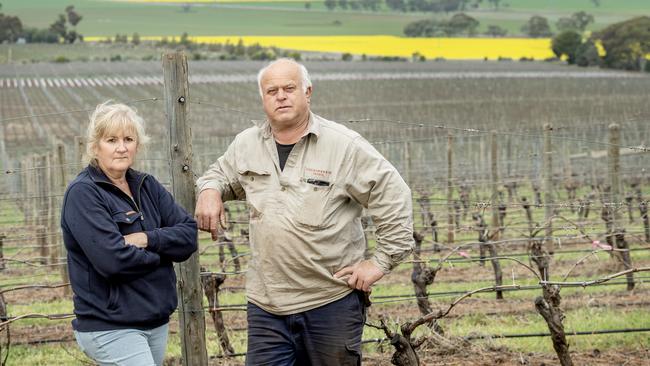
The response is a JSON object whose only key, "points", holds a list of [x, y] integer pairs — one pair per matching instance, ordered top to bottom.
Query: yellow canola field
{"points": [[448, 48]]}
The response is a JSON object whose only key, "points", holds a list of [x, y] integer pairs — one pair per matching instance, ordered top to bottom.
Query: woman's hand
{"points": [[136, 239]]}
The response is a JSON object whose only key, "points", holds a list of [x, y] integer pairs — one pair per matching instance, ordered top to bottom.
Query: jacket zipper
{"points": [[135, 205]]}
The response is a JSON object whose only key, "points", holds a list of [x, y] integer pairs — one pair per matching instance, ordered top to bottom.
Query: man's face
{"points": [[284, 100]]}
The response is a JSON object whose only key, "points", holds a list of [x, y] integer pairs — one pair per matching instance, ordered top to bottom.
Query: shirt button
{"points": [[252, 178], [283, 188], [315, 189]]}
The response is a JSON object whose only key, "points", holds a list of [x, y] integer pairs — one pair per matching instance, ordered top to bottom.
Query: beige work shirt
{"points": [[305, 220]]}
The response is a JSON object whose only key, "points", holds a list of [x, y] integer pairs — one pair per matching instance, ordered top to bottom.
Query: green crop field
{"points": [[106, 18]]}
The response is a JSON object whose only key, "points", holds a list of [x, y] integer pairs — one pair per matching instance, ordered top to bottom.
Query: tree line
{"points": [[463, 24], [63, 29]]}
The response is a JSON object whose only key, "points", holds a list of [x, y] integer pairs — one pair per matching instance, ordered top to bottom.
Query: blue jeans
{"points": [[328, 335], [125, 347]]}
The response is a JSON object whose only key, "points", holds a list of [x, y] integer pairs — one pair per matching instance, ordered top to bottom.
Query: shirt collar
{"points": [[313, 126]]}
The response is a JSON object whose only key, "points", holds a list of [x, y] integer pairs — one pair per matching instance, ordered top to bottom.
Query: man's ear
{"points": [[308, 94]]}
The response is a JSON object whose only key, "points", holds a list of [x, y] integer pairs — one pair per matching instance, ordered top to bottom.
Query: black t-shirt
{"points": [[283, 153]]}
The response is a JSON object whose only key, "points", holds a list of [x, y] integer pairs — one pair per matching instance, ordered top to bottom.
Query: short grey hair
{"points": [[306, 81], [108, 118]]}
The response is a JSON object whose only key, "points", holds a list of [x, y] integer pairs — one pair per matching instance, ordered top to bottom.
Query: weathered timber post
{"points": [[79, 151], [547, 168], [42, 188], [450, 190], [52, 222], [618, 233], [41, 242], [63, 255], [2, 258], [496, 266], [190, 310]]}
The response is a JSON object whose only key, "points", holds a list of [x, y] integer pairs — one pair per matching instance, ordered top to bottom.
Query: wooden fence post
{"points": [[547, 169], [52, 186], [42, 189], [450, 190], [618, 233], [63, 255], [2, 259], [496, 266], [190, 309]]}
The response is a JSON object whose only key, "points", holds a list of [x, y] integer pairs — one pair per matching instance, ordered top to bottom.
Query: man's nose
{"points": [[281, 95]]}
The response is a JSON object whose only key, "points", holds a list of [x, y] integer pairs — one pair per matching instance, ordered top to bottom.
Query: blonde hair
{"points": [[108, 118]]}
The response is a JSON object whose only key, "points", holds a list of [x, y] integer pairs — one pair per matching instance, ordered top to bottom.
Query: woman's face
{"points": [[115, 152]]}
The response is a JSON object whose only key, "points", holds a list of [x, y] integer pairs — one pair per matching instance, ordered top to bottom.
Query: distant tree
{"points": [[495, 3], [596, 3], [330, 4], [343, 4], [370, 4], [307, 5], [354, 5], [399, 5], [421, 5], [186, 7], [73, 17], [582, 19], [463, 23], [566, 24], [59, 26], [537, 27], [10, 28], [421, 28], [495, 31], [35, 35], [121, 38], [135, 38], [185, 40], [626, 43], [566, 44], [240, 49], [587, 54]]}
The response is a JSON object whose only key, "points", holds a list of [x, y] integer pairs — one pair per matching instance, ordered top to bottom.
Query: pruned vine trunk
{"points": [[422, 276], [211, 286], [548, 306]]}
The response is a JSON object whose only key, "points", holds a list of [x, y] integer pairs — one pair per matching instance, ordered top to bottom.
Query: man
{"points": [[306, 181]]}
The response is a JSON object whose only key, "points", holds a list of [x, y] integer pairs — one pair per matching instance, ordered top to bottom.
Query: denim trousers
{"points": [[329, 335], [125, 347]]}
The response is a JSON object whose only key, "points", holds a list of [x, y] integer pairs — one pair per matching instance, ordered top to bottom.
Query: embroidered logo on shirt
{"points": [[318, 173]]}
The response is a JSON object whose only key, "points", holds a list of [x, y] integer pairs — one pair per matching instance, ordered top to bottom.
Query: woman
{"points": [[122, 230]]}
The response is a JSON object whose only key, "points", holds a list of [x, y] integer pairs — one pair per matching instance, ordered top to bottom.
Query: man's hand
{"points": [[209, 212], [136, 239], [362, 275]]}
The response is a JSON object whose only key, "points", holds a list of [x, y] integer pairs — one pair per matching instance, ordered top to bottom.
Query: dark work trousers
{"points": [[326, 336]]}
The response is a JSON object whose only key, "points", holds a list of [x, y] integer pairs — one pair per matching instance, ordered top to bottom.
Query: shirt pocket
{"points": [[255, 182], [313, 209], [125, 221]]}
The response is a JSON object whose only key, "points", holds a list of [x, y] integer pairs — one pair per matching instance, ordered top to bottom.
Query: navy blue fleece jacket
{"points": [[115, 285]]}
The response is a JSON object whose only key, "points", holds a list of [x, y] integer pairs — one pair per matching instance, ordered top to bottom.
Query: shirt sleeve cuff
{"points": [[212, 185], [383, 261]]}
